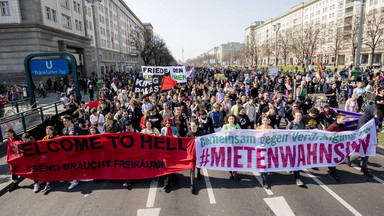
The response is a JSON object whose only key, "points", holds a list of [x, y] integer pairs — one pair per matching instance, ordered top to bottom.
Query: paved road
{"points": [[216, 195]]}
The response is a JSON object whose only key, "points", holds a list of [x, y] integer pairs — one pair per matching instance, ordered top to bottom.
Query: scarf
{"points": [[169, 129]]}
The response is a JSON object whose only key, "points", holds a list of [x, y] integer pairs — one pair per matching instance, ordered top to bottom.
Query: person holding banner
{"points": [[369, 113], [231, 124], [297, 124], [265, 126], [337, 126], [149, 129], [71, 130], [169, 130], [51, 134], [12, 136]]}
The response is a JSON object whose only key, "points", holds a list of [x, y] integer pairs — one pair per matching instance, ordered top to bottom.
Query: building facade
{"points": [[39, 26], [325, 30], [230, 53]]}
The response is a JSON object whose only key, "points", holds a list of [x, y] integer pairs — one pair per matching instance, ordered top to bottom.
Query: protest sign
{"points": [[273, 71], [175, 72], [219, 76], [148, 84], [282, 150], [103, 156]]}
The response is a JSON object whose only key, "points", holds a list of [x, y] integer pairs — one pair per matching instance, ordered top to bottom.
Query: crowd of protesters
{"points": [[208, 103]]}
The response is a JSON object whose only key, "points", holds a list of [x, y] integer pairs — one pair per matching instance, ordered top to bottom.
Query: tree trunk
{"points": [[372, 54]]}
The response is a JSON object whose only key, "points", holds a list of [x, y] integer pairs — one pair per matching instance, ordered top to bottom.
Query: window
{"points": [[64, 3], [76, 7], [4, 8], [48, 12], [53, 15], [66, 21], [78, 25]]}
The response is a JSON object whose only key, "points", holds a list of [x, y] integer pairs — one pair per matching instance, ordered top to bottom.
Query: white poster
{"points": [[273, 71], [177, 73]]}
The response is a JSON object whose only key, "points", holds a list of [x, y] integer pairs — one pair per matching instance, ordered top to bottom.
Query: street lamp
{"points": [[276, 28], [137, 30], [356, 72], [100, 82]]}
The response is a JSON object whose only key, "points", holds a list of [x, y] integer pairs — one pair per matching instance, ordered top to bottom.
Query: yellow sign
{"points": [[219, 75]]}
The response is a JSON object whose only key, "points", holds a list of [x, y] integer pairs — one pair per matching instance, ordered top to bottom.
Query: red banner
{"points": [[103, 156]]}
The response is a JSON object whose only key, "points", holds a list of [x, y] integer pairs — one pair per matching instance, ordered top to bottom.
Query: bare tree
{"points": [[374, 26], [336, 39], [352, 39], [305, 41], [284, 44]]}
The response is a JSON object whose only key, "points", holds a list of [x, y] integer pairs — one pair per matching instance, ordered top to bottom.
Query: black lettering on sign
{"points": [[113, 139], [126, 141], [144, 141], [94, 144], [81, 146], [50, 147], [66, 147], [25, 148]]}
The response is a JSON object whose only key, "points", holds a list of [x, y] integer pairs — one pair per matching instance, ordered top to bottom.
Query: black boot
{"points": [[348, 160], [366, 172], [198, 174], [13, 187], [192, 189]]}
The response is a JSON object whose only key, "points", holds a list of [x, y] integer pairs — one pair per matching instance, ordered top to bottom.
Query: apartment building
{"points": [[335, 24], [38, 26], [230, 53]]}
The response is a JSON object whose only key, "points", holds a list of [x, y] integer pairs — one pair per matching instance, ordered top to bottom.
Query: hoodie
{"points": [[368, 115]]}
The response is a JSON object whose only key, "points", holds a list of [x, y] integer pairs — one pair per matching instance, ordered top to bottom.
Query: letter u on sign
{"points": [[50, 64]]}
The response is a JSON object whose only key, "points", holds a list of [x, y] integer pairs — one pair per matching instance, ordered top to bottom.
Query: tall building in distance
{"points": [[38, 26], [325, 30], [231, 53]]}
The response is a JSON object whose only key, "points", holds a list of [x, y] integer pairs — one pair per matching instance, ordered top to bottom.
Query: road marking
{"points": [[258, 177], [374, 177], [152, 193], [85, 195], [211, 196], [337, 197], [279, 206], [148, 212]]}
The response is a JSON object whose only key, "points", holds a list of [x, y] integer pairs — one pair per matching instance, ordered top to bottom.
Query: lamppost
{"points": [[276, 28], [137, 30], [356, 72], [100, 82]]}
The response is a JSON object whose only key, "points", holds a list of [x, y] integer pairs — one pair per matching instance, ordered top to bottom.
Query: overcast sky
{"points": [[199, 25]]}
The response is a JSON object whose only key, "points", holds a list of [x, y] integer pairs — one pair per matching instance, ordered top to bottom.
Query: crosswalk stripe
{"points": [[211, 196], [337, 197]]}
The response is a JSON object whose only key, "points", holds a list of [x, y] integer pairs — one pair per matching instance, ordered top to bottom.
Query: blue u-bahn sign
{"points": [[49, 67]]}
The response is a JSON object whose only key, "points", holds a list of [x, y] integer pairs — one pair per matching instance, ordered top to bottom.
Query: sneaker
{"points": [[367, 173], [299, 182], [127, 183], [265, 183], [73, 184], [13, 187], [36, 187], [47, 187], [192, 189]]}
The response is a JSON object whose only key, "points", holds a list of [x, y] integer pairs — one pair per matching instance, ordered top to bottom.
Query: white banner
{"points": [[273, 71], [177, 73], [282, 150]]}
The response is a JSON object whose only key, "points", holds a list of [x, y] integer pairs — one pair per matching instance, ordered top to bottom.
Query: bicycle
{"points": [[367, 101], [22, 108]]}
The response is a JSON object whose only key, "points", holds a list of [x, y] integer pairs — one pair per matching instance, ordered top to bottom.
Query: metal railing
{"points": [[16, 106], [21, 122]]}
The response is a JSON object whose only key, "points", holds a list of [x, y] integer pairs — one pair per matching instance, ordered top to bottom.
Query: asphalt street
{"points": [[355, 194]]}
